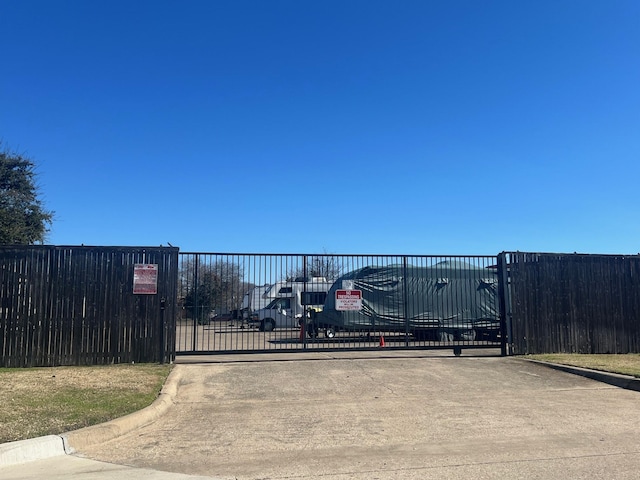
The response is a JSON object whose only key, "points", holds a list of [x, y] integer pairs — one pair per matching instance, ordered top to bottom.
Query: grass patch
{"points": [[628, 364], [55, 400]]}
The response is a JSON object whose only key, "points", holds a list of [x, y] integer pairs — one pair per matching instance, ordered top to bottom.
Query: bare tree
{"points": [[325, 266], [210, 287]]}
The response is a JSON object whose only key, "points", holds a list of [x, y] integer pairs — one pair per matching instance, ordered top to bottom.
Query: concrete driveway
{"points": [[353, 416]]}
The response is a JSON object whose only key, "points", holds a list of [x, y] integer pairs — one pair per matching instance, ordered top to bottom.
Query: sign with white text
{"points": [[145, 278], [349, 300]]}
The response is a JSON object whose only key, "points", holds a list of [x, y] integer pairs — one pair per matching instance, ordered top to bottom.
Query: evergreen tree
{"points": [[23, 218]]}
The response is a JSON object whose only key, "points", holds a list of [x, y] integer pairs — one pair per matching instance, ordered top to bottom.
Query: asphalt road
{"points": [[221, 336], [352, 416]]}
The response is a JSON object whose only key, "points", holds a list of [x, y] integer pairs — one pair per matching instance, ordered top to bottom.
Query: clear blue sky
{"points": [[363, 126]]}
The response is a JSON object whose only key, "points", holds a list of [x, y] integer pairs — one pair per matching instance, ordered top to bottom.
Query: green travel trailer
{"points": [[450, 300]]}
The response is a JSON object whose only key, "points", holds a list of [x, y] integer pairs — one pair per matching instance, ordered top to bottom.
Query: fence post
{"points": [[504, 303], [162, 347]]}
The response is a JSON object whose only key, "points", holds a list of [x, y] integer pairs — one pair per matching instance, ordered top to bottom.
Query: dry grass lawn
{"points": [[628, 364], [45, 401]]}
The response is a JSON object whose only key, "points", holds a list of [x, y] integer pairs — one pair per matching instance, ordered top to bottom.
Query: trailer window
{"points": [[313, 298]]}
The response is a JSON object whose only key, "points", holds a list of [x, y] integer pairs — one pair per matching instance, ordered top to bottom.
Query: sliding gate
{"points": [[274, 303]]}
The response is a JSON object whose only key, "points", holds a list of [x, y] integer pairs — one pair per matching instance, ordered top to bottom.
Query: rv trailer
{"points": [[450, 300]]}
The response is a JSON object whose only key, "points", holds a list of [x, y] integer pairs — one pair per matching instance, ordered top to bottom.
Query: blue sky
{"points": [[409, 127]]}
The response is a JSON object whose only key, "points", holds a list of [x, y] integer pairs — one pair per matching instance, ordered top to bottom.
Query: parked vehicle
{"points": [[254, 300], [451, 300], [292, 303]]}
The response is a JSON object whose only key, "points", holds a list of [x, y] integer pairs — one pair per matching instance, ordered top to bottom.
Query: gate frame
{"points": [[502, 304]]}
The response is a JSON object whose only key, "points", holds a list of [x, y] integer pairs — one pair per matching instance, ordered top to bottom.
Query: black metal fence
{"points": [[268, 302], [571, 303], [86, 305], [98, 305]]}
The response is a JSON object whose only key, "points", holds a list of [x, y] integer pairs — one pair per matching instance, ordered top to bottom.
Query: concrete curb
{"points": [[622, 381], [78, 439], [23, 451]]}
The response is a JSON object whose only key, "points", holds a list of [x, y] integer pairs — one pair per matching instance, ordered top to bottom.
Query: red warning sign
{"points": [[145, 278], [348, 300]]}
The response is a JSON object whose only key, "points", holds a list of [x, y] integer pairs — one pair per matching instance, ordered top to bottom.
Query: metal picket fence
{"points": [[230, 303]]}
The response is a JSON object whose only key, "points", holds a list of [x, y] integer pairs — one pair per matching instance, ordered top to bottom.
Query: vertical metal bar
{"points": [[195, 301], [405, 301], [303, 325]]}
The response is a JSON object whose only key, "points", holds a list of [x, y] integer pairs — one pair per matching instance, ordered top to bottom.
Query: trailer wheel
{"points": [[267, 325], [330, 332]]}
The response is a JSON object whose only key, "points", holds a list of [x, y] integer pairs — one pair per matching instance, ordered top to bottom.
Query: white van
{"points": [[291, 303]]}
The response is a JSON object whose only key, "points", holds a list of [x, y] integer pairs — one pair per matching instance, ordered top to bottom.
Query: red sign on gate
{"points": [[145, 278], [349, 300]]}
